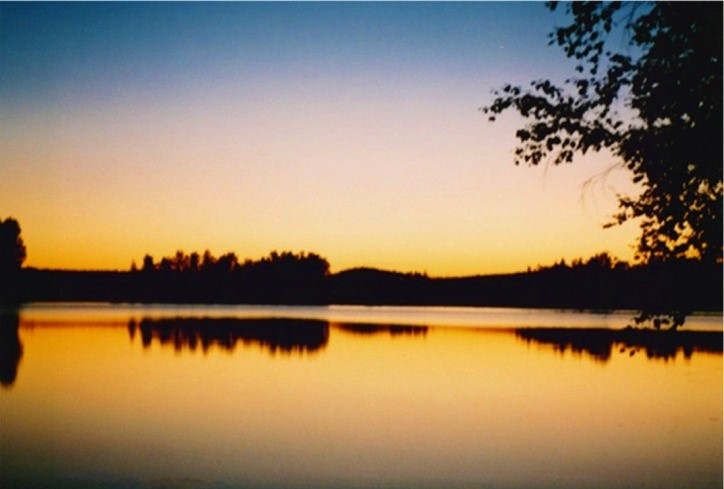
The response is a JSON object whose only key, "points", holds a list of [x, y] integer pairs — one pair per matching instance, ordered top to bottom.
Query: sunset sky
{"points": [[351, 130]]}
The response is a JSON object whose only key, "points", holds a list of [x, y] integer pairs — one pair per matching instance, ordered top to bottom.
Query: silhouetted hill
{"points": [[373, 286], [687, 286]]}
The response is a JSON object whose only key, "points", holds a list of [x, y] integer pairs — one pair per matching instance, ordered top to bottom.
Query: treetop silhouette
{"points": [[656, 104], [12, 247], [12, 256]]}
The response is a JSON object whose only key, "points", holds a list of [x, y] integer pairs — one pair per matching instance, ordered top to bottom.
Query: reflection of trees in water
{"points": [[392, 330], [276, 335], [599, 343], [11, 350]]}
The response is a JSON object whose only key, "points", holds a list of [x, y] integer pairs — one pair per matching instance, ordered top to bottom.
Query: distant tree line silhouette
{"points": [[599, 261], [286, 277], [600, 282], [665, 290]]}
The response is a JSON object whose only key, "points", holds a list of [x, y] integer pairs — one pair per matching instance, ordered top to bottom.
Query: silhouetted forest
{"points": [[280, 278], [598, 283], [677, 287]]}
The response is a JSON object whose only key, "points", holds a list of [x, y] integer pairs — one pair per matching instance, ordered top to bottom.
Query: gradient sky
{"points": [[351, 130]]}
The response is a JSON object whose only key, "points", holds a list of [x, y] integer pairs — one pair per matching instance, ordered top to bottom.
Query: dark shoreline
{"points": [[685, 288]]}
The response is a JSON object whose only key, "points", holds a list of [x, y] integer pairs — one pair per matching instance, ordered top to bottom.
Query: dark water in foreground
{"points": [[167, 397]]}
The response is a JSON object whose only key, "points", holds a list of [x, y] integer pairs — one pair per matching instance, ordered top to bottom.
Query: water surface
{"points": [[228, 396]]}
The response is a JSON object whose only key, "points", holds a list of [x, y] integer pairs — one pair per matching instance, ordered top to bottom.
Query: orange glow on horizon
{"points": [[407, 176], [455, 207]]}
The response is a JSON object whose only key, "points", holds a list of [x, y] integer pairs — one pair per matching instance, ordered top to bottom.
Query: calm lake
{"points": [[100, 395]]}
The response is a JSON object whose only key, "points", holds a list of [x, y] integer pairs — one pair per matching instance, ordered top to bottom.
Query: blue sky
{"points": [[53, 51], [348, 129]]}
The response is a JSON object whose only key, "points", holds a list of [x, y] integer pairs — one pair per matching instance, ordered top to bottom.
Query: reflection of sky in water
{"points": [[348, 405]]}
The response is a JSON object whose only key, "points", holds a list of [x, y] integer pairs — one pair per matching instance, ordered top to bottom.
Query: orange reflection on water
{"points": [[367, 406]]}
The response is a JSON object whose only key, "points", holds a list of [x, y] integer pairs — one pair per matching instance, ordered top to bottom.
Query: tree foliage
{"points": [[655, 103], [12, 247], [12, 256]]}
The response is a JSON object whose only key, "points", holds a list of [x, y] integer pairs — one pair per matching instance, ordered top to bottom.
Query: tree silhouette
{"points": [[656, 105], [659, 110], [12, 248], [12, 256], [194, 262], [148, 265]]}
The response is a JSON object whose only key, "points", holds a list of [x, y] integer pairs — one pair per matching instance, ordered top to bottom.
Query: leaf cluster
{"points": [[656, 105]]}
